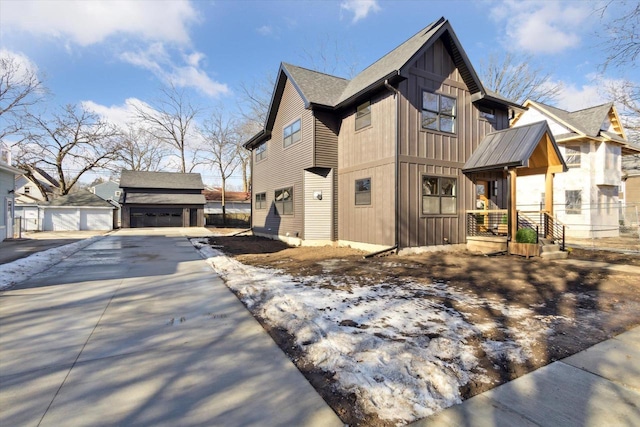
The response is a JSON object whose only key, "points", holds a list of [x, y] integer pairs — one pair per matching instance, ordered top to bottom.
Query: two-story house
{"points": [[592, 142], [378, 161]]}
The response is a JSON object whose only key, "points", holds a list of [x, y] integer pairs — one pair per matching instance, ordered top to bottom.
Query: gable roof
{"points": [[323, 90], [509, 148], [161, 180], [81, 198]]}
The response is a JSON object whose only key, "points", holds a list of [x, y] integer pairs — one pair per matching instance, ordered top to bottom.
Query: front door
{"points": [[482, 194]]}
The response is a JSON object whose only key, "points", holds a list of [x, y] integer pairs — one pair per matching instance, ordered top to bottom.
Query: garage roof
{"points": [[161, 180], [82, 198], [164, 199]]}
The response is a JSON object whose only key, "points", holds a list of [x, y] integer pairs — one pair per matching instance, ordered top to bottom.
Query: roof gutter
{"points": [[377, 84], [256, 139]]}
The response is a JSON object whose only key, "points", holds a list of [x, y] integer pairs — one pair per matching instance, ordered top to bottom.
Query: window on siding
{"points": [[438, 112], [487, 114], [363, 115], [292, 133], [261, 151], [572, 156], [363, 191], [438, 195], [283, 200], [261, 201], [573, 202]]}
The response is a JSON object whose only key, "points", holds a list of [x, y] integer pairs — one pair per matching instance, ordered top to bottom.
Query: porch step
{"points": [[549, 248], [554, 255]]}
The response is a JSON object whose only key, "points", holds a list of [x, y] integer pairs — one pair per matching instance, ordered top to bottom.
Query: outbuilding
{"points": [[161, 199], [77, 211]]}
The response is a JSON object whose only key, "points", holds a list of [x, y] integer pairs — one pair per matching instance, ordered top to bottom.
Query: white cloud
{"points": [[360, 8], [89, 22], [547, 27], [265, 30], [160, 62], [24, 67], [119, 115]]}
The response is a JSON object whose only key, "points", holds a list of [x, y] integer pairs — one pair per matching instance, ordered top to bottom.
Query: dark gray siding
{"points": [[436, 153]]}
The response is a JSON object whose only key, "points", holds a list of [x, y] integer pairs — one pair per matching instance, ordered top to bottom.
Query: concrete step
{"points": [[550, 248], [554, 255]]}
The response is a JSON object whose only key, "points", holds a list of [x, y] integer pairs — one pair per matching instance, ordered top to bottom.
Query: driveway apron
{"points": [[136, 329]]}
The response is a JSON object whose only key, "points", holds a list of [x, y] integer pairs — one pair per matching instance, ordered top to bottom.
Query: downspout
{"points": [[397, 161]]}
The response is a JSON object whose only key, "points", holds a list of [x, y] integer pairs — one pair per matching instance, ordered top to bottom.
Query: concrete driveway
{"points": [[136, 329]]}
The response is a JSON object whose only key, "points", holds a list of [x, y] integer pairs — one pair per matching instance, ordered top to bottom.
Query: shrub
{"points": [[504, 219], [526, 235]]}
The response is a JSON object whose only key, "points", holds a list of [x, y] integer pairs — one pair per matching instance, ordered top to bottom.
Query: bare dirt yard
{"points": [[392, 339]]}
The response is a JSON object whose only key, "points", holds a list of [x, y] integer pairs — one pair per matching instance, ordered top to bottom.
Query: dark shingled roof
{"points": [[317, 88], [508, 148], [162, 180], [81, 198], [164, 199]]}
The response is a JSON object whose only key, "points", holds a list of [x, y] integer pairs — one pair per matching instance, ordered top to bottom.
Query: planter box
{"points": [[524, 249]]}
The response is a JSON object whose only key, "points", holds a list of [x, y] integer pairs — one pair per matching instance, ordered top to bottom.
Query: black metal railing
{"points": [[524, 221], [487, 223], [547, 226], [554, 229]]}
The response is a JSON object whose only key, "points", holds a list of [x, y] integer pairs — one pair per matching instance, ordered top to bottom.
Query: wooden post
{"points": [[548, 193], [513, 217]]}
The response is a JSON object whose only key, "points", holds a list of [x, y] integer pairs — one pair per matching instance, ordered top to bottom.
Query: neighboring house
{"points": [[593, 143], [378, 161], [8, 175], [28, 190], [107, 190], [630, 191], [111, 192], [161, 199], [237, 207], [76, 211]]}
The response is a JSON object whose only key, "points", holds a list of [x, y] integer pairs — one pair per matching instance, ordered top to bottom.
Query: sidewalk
{"points": [[32, 242], [596, 387]]}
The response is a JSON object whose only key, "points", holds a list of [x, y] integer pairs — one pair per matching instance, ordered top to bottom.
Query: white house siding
{"points": [[534, 116], [318, 205], [29, 217], [74, 219]]}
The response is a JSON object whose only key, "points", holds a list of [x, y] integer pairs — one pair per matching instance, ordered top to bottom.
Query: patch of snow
{"points": [[23, 268], [400, 349]]}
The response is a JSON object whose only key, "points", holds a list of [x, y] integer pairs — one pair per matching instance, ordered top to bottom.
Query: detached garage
{"points": [[161, 199], [77, 211]]}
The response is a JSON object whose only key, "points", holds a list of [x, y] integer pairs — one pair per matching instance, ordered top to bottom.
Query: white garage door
{"points": [[98, 219], [63, 221]]}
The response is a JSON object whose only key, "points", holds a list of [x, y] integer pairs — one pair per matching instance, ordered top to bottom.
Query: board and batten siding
{"points": [[426, 152], [368, 153], [284, 167], [319, 212]]}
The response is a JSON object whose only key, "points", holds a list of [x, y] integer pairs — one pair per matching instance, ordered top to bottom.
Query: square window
{"points": [[438, 112], [572, 156], [439, 195], [573, 202]]}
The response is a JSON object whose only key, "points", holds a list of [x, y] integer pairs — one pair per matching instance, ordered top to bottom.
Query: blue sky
{"points": [[107, 54]]}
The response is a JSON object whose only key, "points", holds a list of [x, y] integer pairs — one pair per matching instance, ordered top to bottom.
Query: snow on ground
{"points": [[23, 268], [400, 349]]}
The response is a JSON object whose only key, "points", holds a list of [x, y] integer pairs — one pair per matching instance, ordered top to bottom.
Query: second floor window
{"points": [[438, 112], [363, 115], [292, 133], [261, 151], [572, 156], [363, 191], [283, 200], [261, 201]]}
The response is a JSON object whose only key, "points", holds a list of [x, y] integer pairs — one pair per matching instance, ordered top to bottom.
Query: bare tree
{"points": [[621, 33], [332, 57], [514, 78], [20, 89], [626, 94], [256, 98], [171, 120], [245, 131], [71, 142], [222, 144], [140, 151]]}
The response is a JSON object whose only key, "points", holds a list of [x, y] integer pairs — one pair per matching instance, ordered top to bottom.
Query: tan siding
{"points": [[368, 153], [436, 153], [284, 168], [318, 213]]}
